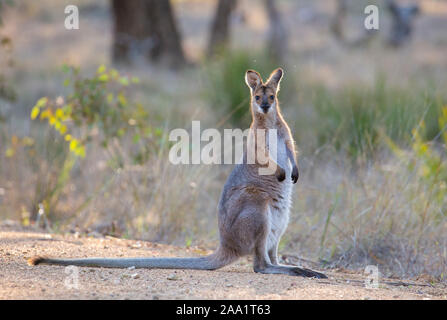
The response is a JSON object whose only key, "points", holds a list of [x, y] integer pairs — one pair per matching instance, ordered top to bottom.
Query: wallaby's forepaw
{"points": [[280, 174], [295, 174], [302, 272]]}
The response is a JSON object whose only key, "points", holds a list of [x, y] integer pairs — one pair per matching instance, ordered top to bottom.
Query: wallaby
{"points": [[253, 211]]}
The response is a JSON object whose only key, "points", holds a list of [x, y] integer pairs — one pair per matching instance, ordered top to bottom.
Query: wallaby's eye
{"points": [[272, 97], [257, 98]]}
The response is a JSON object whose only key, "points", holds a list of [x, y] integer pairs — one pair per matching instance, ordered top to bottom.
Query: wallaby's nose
{"points": [[265, 107]]}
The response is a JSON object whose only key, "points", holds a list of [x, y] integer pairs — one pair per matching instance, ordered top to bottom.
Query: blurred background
{"points": [[85, 117]]}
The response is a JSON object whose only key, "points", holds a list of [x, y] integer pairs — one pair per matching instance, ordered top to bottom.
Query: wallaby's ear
{"points": [[275, 78], [252, 79]]}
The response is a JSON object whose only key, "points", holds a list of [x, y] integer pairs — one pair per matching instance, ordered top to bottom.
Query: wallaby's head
{"points": [[263, 95]]}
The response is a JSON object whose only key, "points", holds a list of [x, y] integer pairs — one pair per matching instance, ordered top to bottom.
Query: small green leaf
{"points": [[65, 68], [101, 69], [114, 74], [103, 78], [135, 80], [124, 81], [122, 99], [41, 102], [67, 109], [35, 112], [59, 113], [52, 120], [63, 129], [121, 132], [73, 145], [80, 151], [9, 152]]}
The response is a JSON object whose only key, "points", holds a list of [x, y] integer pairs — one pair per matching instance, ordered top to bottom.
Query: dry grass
{"points": [[380, 214]]}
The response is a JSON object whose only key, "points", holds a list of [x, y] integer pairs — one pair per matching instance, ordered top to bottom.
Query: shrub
{"points": [[98, 110], [96, 113]]}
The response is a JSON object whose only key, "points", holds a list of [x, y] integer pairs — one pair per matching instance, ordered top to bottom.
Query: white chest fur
{"points": [[279, 208], [279, 214]]}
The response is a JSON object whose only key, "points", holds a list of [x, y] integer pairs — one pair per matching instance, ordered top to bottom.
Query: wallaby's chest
{"points": [[276, 145]]}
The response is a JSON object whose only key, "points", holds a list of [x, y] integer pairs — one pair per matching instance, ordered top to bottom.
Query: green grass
{"points": [[354, 117]]}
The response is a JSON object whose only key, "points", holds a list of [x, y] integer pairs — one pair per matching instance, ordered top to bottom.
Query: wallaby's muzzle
{"points": [[265, 107]]}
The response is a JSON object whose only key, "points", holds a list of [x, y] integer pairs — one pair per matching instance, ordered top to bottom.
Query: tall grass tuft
{"points": [[352, 118]]}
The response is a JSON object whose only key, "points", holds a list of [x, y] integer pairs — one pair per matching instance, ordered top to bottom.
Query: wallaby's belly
{"points": [[236, 199], [280, 205], [279, 213]]}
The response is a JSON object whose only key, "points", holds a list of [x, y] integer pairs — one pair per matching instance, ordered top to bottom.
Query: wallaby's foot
{"points": [[292, 271], [303, 272]]}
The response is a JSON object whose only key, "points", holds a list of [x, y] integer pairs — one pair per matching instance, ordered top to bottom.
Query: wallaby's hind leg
{"points": [[273, 253], [263, 263]]}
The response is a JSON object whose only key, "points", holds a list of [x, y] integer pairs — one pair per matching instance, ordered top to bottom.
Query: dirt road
{"points": [[238, 281]]}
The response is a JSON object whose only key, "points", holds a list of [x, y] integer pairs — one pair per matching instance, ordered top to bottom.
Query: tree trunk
{"points": [[339, 18], [402, 22], [146, 28], [128, 31], [219, 34], [166, 38], [277, 38]]}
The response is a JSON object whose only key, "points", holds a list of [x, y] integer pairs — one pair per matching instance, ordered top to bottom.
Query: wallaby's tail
{"points": [[216, 260]]}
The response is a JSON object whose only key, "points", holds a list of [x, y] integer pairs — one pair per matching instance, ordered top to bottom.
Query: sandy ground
{"points": [[238, 281]]}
